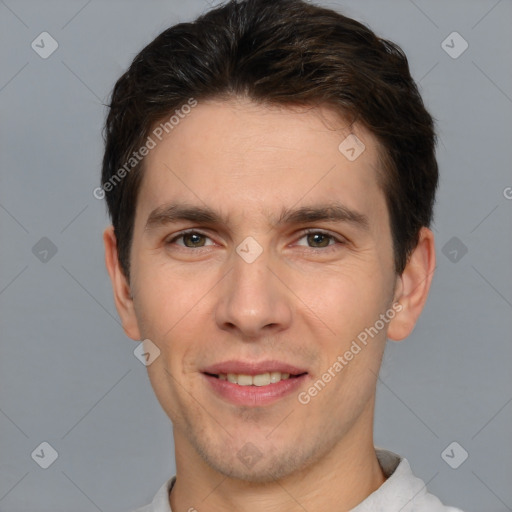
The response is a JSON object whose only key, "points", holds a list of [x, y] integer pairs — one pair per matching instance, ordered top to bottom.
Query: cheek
{"points": [[165, 293], [346, 300], [171, 310]]}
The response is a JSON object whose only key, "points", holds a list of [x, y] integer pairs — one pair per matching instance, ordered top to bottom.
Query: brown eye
{"points": [[190, 240], [193, 240], [319, 240]]}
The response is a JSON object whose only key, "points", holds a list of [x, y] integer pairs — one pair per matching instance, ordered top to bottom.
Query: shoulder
{"points": [[402, 490], [160, 502]]}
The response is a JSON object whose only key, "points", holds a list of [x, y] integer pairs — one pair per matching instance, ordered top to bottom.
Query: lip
{"points": [[253, 368], [253, 396]]}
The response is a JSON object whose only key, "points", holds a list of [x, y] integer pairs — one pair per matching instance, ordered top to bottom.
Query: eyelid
{"points": [[180, 234], [336, 237]]}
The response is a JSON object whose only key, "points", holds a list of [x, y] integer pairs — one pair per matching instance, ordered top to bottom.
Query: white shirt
{"points": [[401, 492]]}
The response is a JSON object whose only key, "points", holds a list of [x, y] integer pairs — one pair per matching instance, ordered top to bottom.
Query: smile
{"points": [[262, 379], [244, 390]]}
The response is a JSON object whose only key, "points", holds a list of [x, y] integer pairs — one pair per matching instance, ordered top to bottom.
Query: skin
{"points": [[302, 301]]}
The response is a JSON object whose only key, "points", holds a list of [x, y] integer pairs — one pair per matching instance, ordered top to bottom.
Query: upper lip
{"points": [[253, 368]]}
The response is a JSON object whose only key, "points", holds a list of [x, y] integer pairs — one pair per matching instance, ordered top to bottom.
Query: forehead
{"points": [[240, 156]]}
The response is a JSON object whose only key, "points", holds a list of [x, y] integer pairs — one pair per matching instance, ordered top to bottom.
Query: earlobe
{"points": [[413, 286], [122, 293]]}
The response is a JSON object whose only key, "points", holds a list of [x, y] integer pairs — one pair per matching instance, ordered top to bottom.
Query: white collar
{"points": [[401, 491]]}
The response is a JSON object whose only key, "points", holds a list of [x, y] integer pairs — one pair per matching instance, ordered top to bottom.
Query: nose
{"points": [[253, 302]]}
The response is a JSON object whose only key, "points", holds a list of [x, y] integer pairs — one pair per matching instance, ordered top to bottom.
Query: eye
{"points": [[190, 239], [319, 239]]}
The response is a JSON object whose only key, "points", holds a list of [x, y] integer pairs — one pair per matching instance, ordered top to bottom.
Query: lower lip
{"points": [[254, 395]]}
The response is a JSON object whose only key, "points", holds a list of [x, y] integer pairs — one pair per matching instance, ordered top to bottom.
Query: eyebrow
{"points": [[329, 212]]}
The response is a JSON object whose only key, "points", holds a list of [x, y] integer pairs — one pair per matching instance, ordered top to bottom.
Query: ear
{"points": [[413, 286], [121, 288]]}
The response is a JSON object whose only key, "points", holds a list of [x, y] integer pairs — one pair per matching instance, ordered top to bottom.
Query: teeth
{"points": [[275, 377], [262, 379], [244, 380]]}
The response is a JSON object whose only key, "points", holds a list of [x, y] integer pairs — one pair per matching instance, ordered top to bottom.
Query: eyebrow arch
{"points": [[174, 212], [333, 212]]}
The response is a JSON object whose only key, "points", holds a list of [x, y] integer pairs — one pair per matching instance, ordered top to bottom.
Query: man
{"points": [[270, 173]]}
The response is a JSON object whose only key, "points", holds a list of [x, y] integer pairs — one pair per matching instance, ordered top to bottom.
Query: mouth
{"points": [[259, 380], [253, 384]]}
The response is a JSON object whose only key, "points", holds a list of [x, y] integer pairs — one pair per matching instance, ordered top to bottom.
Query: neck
{"points": [[346, 476]]}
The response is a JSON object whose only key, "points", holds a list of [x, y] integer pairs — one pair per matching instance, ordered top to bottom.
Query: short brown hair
{"points": [[284, 52]]}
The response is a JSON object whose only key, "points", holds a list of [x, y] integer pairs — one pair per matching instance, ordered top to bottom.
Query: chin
{"points": [[267, 465], [261, 473]]}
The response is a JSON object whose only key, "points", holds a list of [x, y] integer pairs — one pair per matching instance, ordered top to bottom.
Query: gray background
{"points": [[68, 375]]}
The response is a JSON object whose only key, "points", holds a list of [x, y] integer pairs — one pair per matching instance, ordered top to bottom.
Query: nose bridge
{"points": [[252, 299]]}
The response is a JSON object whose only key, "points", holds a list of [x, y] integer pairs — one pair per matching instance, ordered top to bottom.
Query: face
{"points": [[261, 250]]}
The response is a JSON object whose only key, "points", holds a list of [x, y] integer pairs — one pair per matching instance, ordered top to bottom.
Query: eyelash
{"points": [[305, 233]]}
